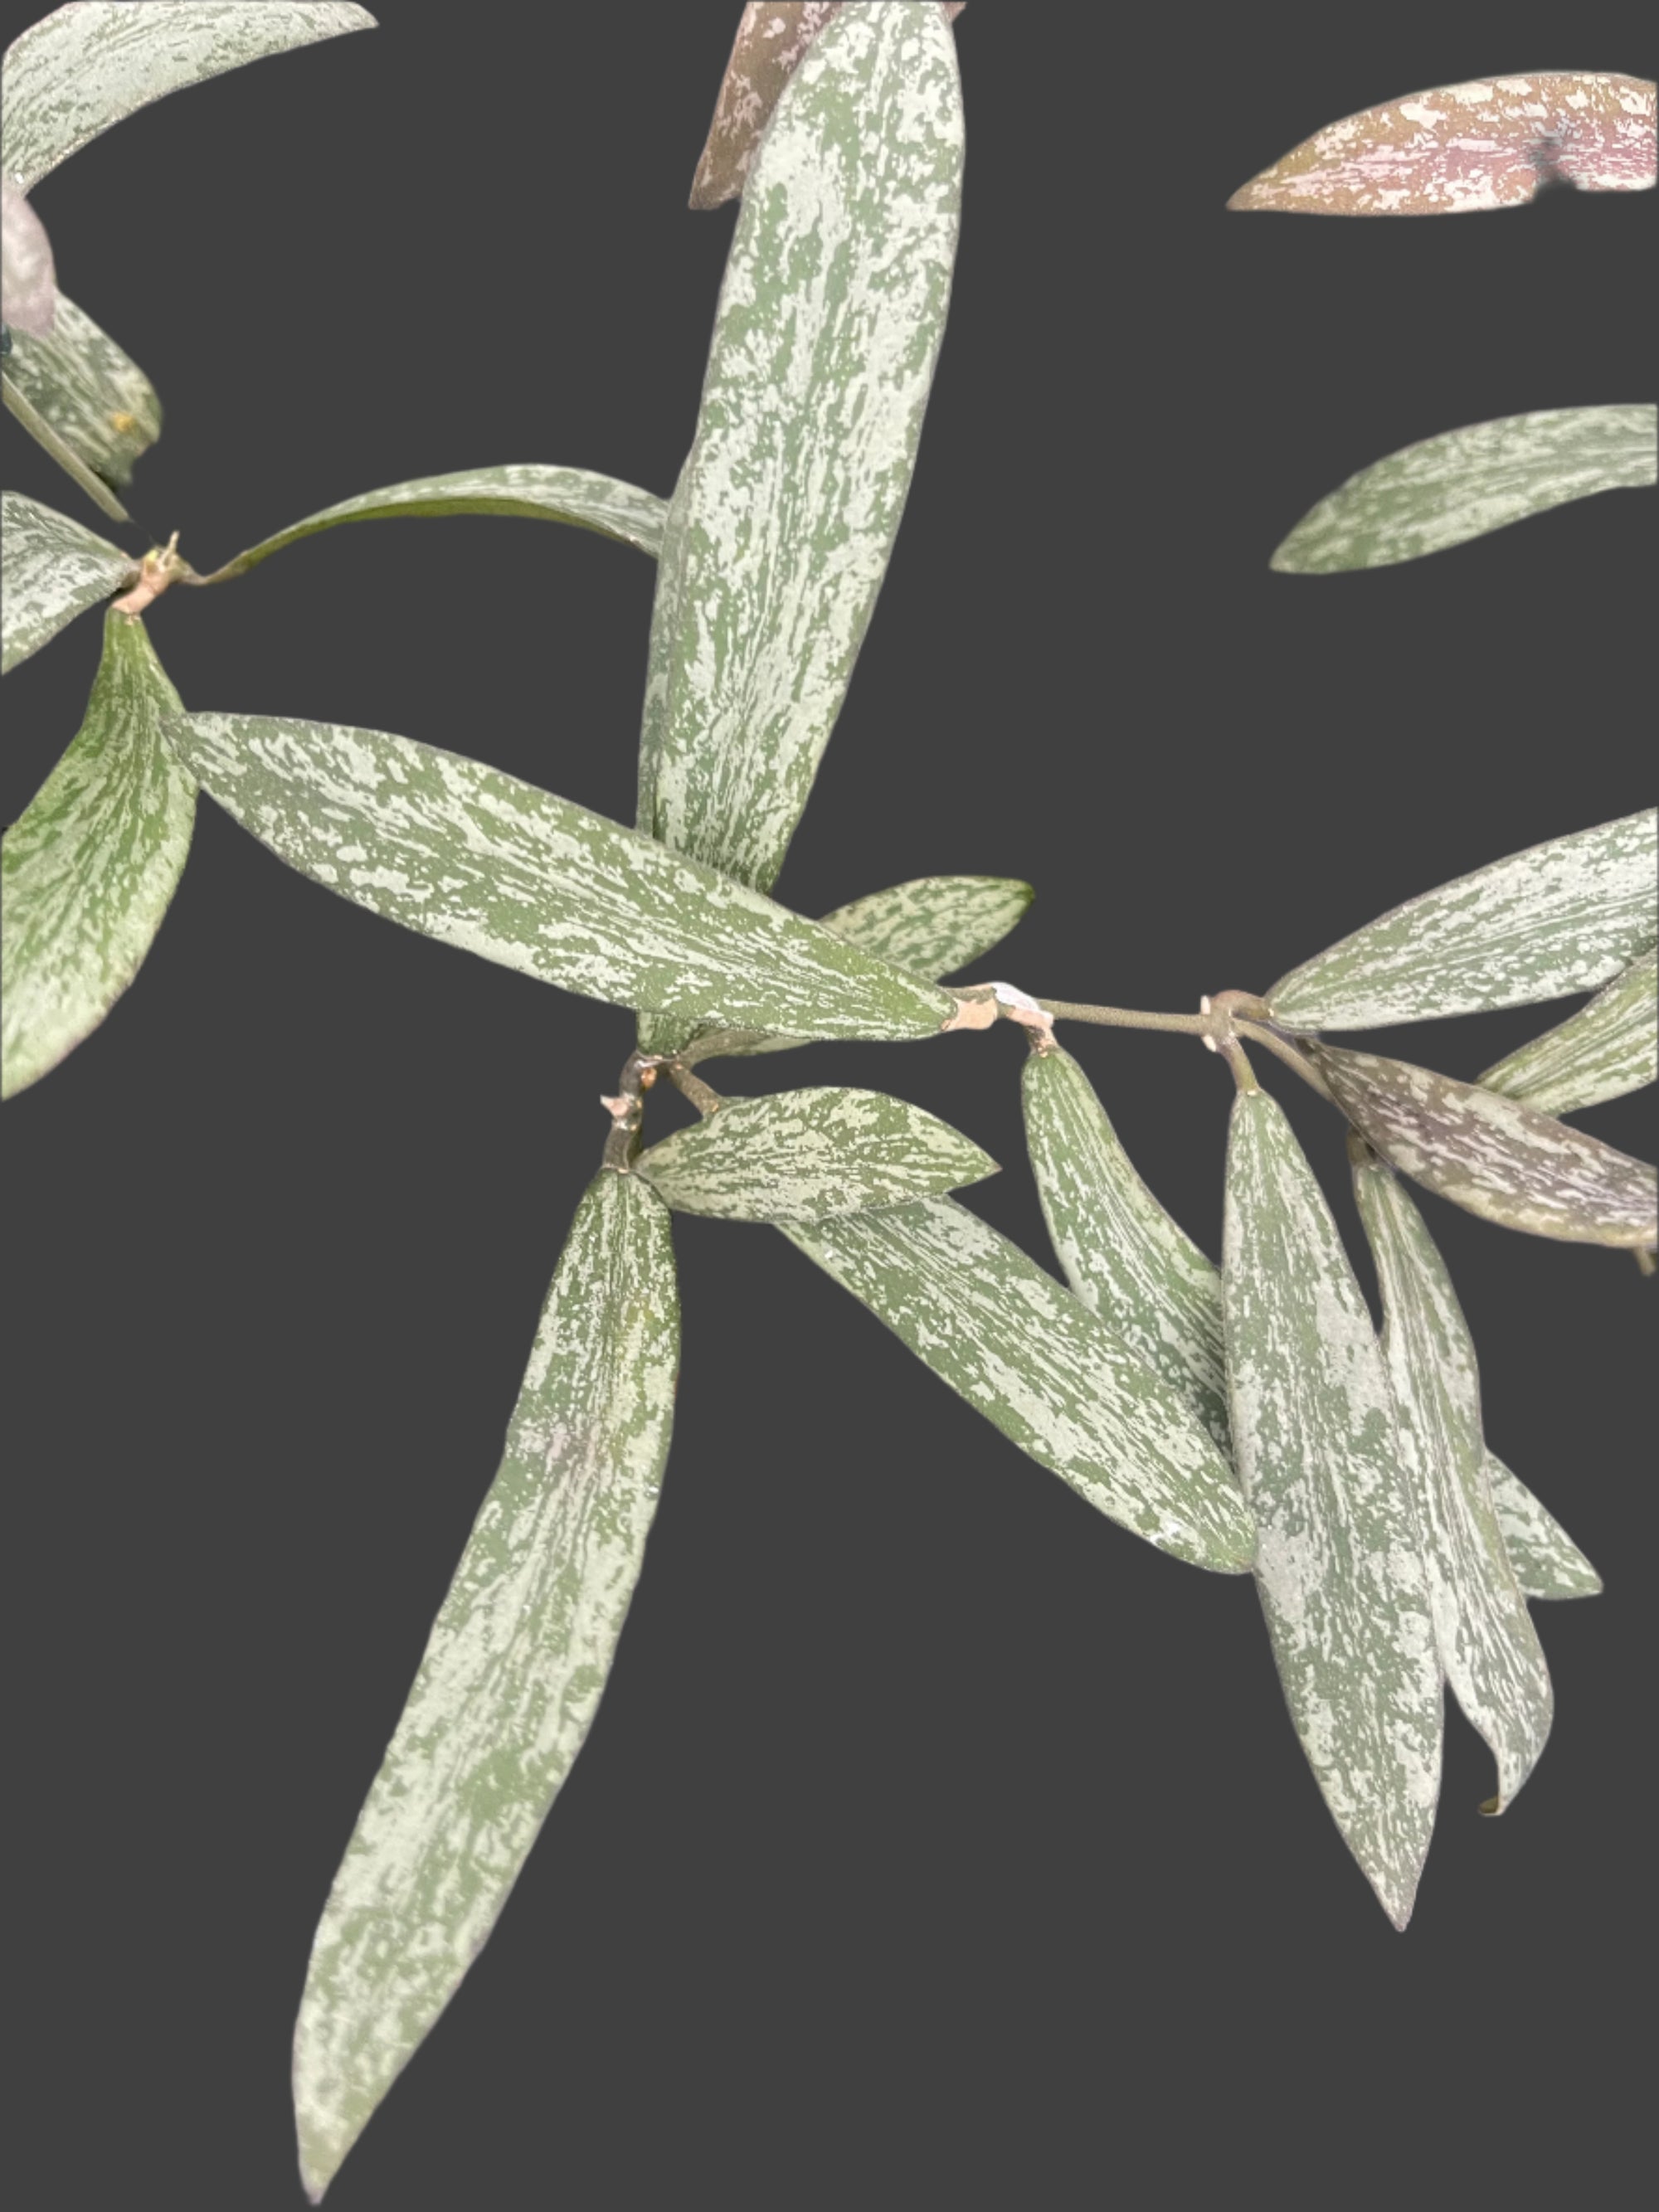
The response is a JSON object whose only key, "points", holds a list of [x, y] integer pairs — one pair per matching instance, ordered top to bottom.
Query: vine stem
{"points": [[1223, 1017]]}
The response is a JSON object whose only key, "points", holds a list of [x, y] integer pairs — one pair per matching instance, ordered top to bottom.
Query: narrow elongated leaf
{"points": [[81, 68], [1460, 148], [828, 323], [97, 402], [23, 410], [1464, 484], [601, 503], [53, 570], [475, 858], [89, 868], [1560, 917], [1605, 1049], [804, 1154], [1493, 1156], [1121, 1252], [1035, 1362], [1338, 1558], [1546, 1561], [1488, 1646], [512, 1676]]}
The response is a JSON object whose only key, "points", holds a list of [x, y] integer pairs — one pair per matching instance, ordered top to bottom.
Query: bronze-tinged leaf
{"points": [[1492, 1155]]}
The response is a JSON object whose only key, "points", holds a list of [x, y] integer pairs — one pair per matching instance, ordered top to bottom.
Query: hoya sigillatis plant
{"points": [[1249, 1419]]}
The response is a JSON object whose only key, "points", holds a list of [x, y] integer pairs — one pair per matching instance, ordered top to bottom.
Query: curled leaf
{"points": [[29, 284], [97, 402], [53, 570], [1605, 1049], [1547, 1563]]}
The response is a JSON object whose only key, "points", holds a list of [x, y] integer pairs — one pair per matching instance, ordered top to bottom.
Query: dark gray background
{"points": [[938, 1843]]}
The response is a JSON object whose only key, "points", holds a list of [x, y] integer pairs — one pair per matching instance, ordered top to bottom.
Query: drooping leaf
{"points": [[772, 36], [81, 68], [1465, 146], [28, 284], [828, 323], [99, 403], [23, 410], [1463, 484], [600, 504], [53, 570], [475, 858], [89, 868], [1560, 917], [1605, 1049], [801, 1155], [1493, 1156], [1121, 1252], [1035, 1362], [1339, 1558], [1547, 1563], [1488, 1645], [512, 1676]]}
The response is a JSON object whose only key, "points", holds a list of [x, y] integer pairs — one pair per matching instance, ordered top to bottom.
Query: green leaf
{"points": [[81, 68], [828, 323], [99, 403], [24, 411], [1465, 484], [601, 503], [54, 569], [475, 858], [90, 867], [1560, 917], [1605, 1049], [804, 1154], [1493, 1156], [1120, 1251], [1041, 1368], [1339, 1561], [1547, 1563], [1488, 1646], [512, 1674]]}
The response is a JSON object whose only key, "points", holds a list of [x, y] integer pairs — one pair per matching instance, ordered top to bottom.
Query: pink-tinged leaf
{"points": [[771, 39], [1491, 143], [28, 288]]}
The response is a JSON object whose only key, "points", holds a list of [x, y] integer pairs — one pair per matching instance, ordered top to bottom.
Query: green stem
{"points": [[1127, 1017], [706, 1101]]}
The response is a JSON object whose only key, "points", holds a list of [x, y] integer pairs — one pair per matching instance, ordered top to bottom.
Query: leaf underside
{"points": [[98, 401], [54, 569], [1606, 1049]]}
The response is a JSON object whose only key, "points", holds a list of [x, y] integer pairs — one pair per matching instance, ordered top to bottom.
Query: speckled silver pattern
{"points": [[99, 403], [51, 569], [1607, 1048], [1547, 1563]]}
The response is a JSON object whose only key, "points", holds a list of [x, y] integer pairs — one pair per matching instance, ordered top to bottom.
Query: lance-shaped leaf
{"points": [[772, 36], [81, 68], [1464, 147], [828, 323], [99, 405], [24, 411], [1445, 490], [591, 501], [53, 570], [475, 858], [89, 869], [1560, 917], [1605, 1049], [804, 1154], [1493, 1156], [1121, 1252], [1035, 1362], [1338, 1558], [1546, 1561], [1488, 1646], [513, 1672]]}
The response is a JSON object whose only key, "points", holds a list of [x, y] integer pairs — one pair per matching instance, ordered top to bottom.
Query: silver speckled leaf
{"points": [[83, 68], [1460, 147], [28, 284], [828, 326], [99, 403], [22, 409], [1464, 484], [601, 503], [52, 569], [476, 859], [87, 873], [1563, 917], [1605, 1049], [801, 1155], [1493, 1156], [1121, 1254], [1035, 1361], [1338, 1558], [1547, 1563], [1488, 1645], [512, 1676]]}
